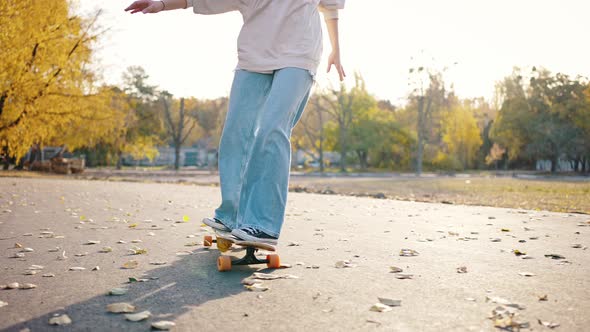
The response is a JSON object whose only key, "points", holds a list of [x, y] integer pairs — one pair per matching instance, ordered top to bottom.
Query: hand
{"points": [[146, 6], [334, 59]]}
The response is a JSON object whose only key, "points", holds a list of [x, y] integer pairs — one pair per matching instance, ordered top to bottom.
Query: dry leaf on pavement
{"points": [[408, 252], [130, 265], [527, 274], [257, 287], [118, 291], [390, 302], [120, 307], [380, 307], [138, 316], [60, 320], [163, 325], [550, 325]]}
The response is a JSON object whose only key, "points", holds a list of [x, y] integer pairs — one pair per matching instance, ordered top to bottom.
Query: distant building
{"points": [[189, 156]]}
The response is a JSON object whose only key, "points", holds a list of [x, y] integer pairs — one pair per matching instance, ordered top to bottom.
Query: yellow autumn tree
{"points": [[47, 91], [461, 135]]}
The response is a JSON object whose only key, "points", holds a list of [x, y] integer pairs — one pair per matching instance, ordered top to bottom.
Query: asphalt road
{"points": [[51, 216]]}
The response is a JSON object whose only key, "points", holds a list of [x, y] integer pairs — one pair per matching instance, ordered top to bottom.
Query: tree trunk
{"points": [[420, 136], [342, 150], [176, 156], [6, 159], [321, 159], [119, 160], [554, 161]]}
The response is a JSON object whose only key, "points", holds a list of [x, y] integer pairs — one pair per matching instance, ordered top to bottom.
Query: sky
{"points": [[479, 41]]}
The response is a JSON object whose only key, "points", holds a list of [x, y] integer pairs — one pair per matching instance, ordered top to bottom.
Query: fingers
{"points": [[144, 6], [339, 69], [341, 73]]}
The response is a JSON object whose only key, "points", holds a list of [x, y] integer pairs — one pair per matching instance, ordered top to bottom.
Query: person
{"points": [[279, 50]]}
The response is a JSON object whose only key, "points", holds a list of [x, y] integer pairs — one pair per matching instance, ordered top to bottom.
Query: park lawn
{"points": [[550, 195]]}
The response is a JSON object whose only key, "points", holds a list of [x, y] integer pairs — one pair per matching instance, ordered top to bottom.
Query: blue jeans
{"points": [[255, 147]]}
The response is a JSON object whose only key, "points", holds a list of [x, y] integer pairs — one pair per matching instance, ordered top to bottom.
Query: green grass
{"points": [[551, 195]]}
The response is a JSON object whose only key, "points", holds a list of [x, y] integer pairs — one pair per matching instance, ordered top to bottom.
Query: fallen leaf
{"points": [[185, 218], [133, 225], [505, 230], [496, 240], [136, 241], [91, 242], [576, 245], [27, 250], [105, 250], [138, 251], [408, 252], [518, 252], [81, 254], [554, 256], [157, 263], [344, 264], [130, 265], [35, 267], [77, 268], [96, 268], [395, 269], [462, 269], [30, 273], [527, 274], [48, 275], [267, 276], [404, 276], [13, 285], [27, 286], [257, 287], [543, 298], [470, 299], [499, 300], [390, 302], [120, 307], [380, 307], [138, 316], [60, 320], [163, 325], [550, 325]]}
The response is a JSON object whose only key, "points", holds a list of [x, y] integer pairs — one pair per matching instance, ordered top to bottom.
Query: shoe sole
{"points": [[215, 225], [245, 237]]}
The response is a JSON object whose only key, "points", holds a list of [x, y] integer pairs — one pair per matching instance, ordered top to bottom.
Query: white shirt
{"points": [[276, 33]]}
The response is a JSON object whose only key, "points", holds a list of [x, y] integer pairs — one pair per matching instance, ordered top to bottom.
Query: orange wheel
{"points": [[207, 240], [223, 245], [274, 262], [223, 263]]}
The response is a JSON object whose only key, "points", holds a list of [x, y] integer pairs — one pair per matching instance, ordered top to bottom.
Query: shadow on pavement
{"points": [[180, 286]]}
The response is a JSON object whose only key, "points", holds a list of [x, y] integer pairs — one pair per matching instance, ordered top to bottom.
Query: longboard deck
{"points": [[229, 237]]}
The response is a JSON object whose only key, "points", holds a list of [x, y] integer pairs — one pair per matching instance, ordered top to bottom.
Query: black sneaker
{"points": [[216, 224], [254, 235]]}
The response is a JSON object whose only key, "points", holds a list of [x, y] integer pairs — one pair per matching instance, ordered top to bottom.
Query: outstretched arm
{"points": [[150, 6], [330, 10], [334, 58]]}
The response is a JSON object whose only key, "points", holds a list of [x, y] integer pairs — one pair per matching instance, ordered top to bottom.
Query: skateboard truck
{"points": [[224, 262]]}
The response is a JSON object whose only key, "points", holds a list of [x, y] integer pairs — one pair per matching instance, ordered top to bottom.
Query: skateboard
{"points": [[225, 241]]}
